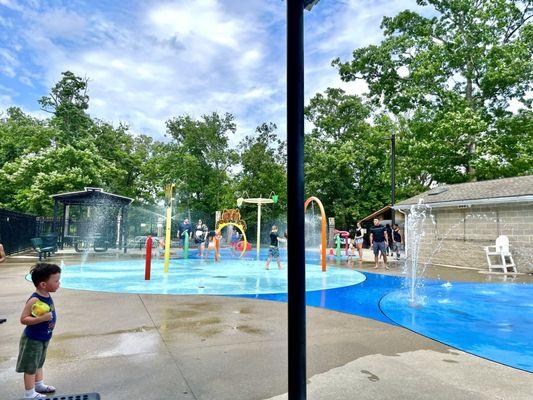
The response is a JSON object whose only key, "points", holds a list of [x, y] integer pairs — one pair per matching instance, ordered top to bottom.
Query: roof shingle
{"points": [[497, 188]]}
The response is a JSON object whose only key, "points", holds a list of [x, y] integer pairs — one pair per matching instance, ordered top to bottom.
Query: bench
{"points": [[41, 249]]}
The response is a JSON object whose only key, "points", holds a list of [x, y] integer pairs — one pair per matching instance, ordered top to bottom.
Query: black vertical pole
{"points": [[393, 176], [295, 200], [55, 216], [125, 228], [62, 238]]}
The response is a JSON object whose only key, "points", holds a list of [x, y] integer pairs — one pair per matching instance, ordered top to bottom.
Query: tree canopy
{"points": [[454, 87]]}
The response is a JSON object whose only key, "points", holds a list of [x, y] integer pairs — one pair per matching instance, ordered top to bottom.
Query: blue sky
{"points": [[148, 61]]}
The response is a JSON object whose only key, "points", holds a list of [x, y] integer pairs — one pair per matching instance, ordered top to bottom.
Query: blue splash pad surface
{"points": [[226, 277], [362, 299], [493, 321]]}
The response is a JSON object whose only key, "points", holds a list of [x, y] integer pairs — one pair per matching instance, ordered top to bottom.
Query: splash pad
{"points": [[198, 276]]}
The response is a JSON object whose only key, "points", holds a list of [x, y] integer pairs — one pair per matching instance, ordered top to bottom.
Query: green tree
{"points": [[458, 72], [68, 101], [21, 134], [346, 158], [198, 160], [263, 163], [27, 182]]}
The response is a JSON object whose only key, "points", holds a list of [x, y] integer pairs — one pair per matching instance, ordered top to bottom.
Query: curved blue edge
{"points": [[490, 320], [493, 321]]}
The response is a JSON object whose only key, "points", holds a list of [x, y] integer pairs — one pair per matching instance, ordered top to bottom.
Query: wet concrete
{"points": [[210, 347]]}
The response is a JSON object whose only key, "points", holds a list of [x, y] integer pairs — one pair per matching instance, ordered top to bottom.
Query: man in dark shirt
{"points": [[185, 226], [379, 241], [397, 241], [273, 250]]}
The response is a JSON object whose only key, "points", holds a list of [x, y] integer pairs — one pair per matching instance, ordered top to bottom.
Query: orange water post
{"points": [[324, 229]]}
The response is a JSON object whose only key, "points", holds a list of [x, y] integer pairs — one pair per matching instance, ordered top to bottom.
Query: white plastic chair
{"points": [[504, 259]]}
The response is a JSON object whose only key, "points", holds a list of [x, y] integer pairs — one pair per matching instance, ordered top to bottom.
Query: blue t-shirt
{"points": [[43, 330]]}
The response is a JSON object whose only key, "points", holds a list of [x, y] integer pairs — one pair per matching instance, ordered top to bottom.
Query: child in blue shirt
{"points": [[38, 331]]}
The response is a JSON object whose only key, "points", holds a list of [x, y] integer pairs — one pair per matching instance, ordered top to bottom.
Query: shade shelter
{"points": [[91, 217]]}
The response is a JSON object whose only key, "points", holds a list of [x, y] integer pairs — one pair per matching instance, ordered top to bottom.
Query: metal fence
{"points": [[16, 230]]}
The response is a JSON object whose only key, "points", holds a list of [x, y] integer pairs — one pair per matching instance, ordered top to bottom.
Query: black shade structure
{"points": [[295, 197], [91, 215]]}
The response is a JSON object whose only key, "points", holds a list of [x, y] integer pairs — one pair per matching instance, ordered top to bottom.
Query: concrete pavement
{"points": [[211, 347]]}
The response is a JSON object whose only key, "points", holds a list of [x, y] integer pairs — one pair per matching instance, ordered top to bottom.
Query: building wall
{"points": [[457, 237]]}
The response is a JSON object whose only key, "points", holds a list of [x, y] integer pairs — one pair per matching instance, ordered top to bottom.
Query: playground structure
{"points": [[259, 201], [230, 218], [323, 232], [346, 236]]}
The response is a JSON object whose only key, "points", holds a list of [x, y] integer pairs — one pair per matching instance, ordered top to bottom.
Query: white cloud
{"points": [[155, 60]]}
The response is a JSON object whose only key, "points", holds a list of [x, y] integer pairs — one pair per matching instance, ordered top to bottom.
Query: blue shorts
{"points": [[380, 246], [273, 251]]}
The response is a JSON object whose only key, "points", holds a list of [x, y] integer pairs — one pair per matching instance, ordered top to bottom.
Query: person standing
{"points": [[185, 226], [359, 233], [200, 236], [389, 236], [235, 238], [397, 239], [379, 242], [273, 250], [2, 254], [40, 320]]}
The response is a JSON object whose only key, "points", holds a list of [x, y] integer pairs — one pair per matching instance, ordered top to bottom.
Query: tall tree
{"points": [[458, 72], [68, 101], [346, 158], [202, 159], [263, 163]]}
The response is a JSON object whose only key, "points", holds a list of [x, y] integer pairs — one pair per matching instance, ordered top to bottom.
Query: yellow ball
{"points": [[39, 308]]}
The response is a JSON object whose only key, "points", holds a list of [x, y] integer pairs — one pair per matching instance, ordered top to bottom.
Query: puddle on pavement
{"points": [[172, 313], [188, 324], [249, 329], [68, 336]]}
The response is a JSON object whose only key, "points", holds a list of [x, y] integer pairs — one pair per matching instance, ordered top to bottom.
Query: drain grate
{"points": [[85, 396]]}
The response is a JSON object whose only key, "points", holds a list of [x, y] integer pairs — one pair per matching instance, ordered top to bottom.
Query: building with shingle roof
{"points": [[498, 191], [466, 217]]}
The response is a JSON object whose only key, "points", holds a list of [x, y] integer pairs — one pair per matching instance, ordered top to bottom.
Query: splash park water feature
{"points": [[199, 276], [489, 320]]}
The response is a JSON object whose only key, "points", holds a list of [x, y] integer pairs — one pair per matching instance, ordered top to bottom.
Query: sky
{"points": [[148, 61]]}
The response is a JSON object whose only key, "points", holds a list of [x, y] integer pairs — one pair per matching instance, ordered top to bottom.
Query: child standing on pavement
{"points": [[38, 331]]}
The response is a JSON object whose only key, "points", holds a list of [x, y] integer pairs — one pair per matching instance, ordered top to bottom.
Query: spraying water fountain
{"points": [[91, 219], [416, 227]]}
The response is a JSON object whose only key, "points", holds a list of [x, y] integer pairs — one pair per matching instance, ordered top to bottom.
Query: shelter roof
{"points": [[92, 196], [376, 214]]}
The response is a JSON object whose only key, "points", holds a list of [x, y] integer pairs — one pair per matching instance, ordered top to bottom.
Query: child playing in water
{"points": [[200, 235], [273, 250], [38, 331]]}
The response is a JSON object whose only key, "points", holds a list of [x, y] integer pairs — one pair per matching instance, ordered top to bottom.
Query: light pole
{"points": [[393, 176], [295, 197]]}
